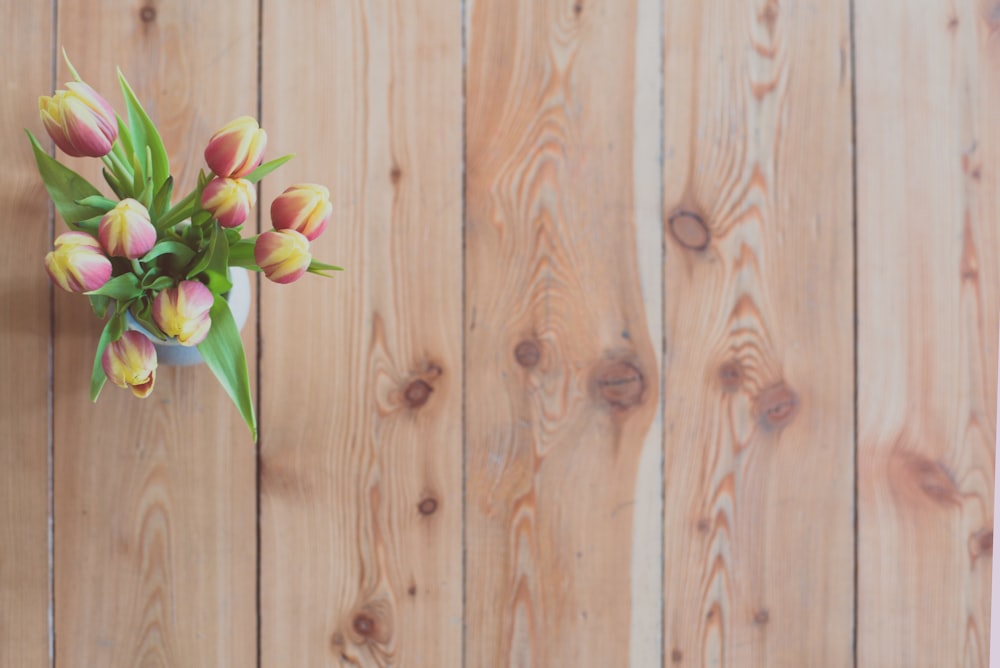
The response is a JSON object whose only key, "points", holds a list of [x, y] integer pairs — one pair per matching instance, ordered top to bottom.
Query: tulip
{"points": [[79, 120], [237, 148], [229, 200], [304, 208], [126, 230], [283, 255], [77, 264], [182, 311], [131, 362]]}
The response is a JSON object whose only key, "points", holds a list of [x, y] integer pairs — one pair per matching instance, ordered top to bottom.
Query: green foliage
{"points": [[223, 353]]}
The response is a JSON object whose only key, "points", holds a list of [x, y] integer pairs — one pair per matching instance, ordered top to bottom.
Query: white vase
{"points": [[172, 353]]}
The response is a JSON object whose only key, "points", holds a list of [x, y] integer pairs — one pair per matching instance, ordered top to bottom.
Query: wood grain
{"points": [[928, 277], [25, 301], [562, 371], [759, 382], [154, 499], [361, 534]]}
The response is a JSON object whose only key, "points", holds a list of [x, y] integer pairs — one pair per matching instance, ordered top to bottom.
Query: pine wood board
{"points": [[928, 251], [25, 302], [759, 359], [561, 363], [361, 450], [155, 499]]}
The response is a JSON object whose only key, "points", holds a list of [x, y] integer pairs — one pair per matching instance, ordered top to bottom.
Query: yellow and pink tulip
{"points": [[79, 120], [237, 148], [229, 200], [304, 207], [126, 230], [283, 255], [77, 263], [183, 312], [131, 362]]}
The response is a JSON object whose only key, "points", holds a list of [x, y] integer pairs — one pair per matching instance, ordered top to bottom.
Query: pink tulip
{"points": [[80, 121], [237, 148], [229, 200], [304, 208], [126, 231], [283, 255], [77, 264], [183, 312], [131, 362]]}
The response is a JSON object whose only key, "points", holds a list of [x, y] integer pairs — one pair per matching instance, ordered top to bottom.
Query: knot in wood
{"points": [[147, 14], [395, 174], [690, 230], [527, 353], [731, 376], [621, 384], [417, 393], [777, 406], [428, 506], [985, 541], [761, 617], [364, 625], [676, 656]]}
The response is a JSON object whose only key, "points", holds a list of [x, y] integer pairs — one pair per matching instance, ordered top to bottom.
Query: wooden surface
{"points": [[928, 158], [25, 306], [556, 333], [667, 338], [759, 379], [361, 478], [155, 500]]}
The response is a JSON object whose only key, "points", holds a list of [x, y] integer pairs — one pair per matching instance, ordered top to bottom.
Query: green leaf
{"points": [[145, 136], [125, 137], [268, 167], [114, 184], [64, 186], [97, 202], [161, 202], [179, 211], [90, 226], [233, 235], [179, 249], [206, 255], [316, 265], [217, 270], [159, 283], [122, 288], [100, 305], [144, 316], [223, 353], [97, 377]]}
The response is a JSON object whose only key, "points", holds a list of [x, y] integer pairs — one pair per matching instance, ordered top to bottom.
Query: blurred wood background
{"points": [[667, 338]]}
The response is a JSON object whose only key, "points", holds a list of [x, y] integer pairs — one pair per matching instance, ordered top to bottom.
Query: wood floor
{"points": [[667, 337]]}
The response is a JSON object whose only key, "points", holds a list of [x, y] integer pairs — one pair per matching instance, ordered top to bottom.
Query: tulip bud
{"points": [[79, 120], [237, 148], [229, 200], [304, 208], [126, 231], [283, 255], [77, 264], [182, 311], [131, 362]]}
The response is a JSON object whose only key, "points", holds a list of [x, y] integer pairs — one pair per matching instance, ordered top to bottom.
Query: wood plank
{"points": [[928, 84], [24, 355], [562, 367], [759, 382], [361, 478], [154, 500]]}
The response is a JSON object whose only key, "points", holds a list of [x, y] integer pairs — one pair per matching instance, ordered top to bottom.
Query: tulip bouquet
{"points": [[159, 269]]}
